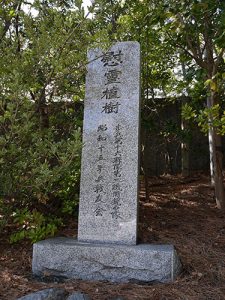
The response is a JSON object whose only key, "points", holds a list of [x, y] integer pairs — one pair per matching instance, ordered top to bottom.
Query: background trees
{"points": [[197, 30], [43, 48], [184, 49], [42, 67]]}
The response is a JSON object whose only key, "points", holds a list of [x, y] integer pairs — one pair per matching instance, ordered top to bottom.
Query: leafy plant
{"points": [[33, 226]]}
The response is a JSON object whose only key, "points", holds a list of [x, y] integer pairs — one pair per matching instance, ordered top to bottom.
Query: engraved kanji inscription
{"points": [[112, 58], [112, 76], [111, 93], [110, 107]]}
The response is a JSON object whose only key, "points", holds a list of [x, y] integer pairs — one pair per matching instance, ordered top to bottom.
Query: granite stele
{"points": [[107, 248]]}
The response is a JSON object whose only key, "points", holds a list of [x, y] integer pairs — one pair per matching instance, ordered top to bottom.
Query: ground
{"points": [[179, 211]]}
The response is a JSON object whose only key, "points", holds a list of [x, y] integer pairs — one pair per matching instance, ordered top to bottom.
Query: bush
{"points": [[39, 170]]}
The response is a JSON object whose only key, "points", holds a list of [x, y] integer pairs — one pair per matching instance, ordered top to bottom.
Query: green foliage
{"points": [[43, 47], [188, 112], [213, 114], [202, 117], [40, 170], [34, 226]]}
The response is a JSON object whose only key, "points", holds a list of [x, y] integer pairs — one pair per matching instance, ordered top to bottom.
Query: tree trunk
{"points": [[42, 109], [44, 117], [210, 138], [185, 159], [216, 159], [185, 168]]}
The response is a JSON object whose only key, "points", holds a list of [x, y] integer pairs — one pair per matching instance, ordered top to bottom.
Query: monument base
{"points": [[116, 263]]}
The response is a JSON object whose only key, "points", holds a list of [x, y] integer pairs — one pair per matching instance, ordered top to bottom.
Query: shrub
{"points": [[39, 170]]}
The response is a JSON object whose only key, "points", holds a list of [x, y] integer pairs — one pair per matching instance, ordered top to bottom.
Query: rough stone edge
{"points": [[176, 265]]}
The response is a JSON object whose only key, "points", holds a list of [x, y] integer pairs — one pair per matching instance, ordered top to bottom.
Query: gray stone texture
{"points": [[109, 176], [116, 263], [47, 294], [78, 296]]}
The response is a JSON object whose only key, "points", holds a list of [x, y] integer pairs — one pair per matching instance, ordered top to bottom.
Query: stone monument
{"points": [[109, 180], [107, 248]]}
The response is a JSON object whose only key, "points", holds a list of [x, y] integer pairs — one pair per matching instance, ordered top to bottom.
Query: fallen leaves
{"points": [[180, 212]]}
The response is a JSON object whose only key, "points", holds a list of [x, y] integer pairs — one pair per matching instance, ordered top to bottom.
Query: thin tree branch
{"points": [[9, 21], [195, 52], [58, 54]]}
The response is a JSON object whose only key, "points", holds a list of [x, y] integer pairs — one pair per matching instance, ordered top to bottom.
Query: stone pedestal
{"points": [[117, 263]]}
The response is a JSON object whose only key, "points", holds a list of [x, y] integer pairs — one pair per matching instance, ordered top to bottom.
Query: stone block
{"points": [[116, 263]]}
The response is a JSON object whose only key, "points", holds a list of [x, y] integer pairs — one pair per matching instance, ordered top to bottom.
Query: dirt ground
{"points": [[179, 211]]}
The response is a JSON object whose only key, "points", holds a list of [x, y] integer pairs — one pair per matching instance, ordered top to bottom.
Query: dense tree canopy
{"points": [[186, 36], [43, 45], [43, 56]]}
